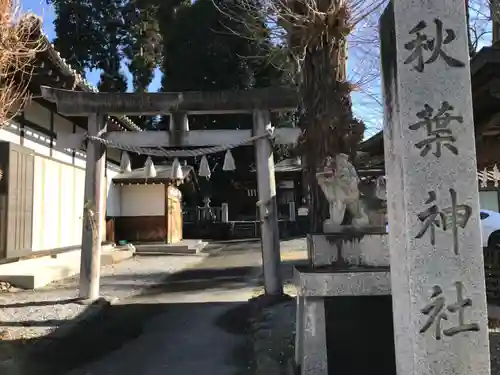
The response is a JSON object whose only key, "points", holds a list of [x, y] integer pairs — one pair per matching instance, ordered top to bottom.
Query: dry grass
{"points": [[20, 41], [288, 289]]}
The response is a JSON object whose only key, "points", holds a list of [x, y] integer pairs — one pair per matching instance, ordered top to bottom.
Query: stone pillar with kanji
{"points": [[437, 270]]}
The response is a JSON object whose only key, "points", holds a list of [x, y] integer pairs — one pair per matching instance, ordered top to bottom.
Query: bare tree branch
{"points": [[315, 35], [20, 41]]}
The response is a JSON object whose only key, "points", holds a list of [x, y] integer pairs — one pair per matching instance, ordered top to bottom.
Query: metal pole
{"points": [[267, 206], [92, 215]]}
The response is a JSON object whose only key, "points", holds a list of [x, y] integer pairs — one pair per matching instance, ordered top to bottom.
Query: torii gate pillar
{"points": [[80, 103], [94, 205], [268, 210]]}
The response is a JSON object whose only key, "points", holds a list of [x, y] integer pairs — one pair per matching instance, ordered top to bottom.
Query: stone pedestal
{"points": [[356, 247], [315, 287]]}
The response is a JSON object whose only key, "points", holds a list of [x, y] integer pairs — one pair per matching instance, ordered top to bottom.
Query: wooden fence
{"points": [[489, 175], [200, 214]]}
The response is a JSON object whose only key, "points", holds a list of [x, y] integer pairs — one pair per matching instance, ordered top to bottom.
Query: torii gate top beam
{"points": [[78, 103]]}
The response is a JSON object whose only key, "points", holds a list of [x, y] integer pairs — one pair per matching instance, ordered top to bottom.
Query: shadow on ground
{"points": [[204, 279], [38, 303], [119, 325], [115, 326]]}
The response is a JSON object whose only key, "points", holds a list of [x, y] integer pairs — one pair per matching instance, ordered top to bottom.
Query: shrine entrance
{"points": [[96, 106]]}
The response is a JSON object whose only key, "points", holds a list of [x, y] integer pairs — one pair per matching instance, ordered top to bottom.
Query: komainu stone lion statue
{"points": [[340, 184]]}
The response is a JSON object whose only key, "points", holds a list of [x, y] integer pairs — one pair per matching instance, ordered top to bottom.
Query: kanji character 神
{"points": [[455, 216]]}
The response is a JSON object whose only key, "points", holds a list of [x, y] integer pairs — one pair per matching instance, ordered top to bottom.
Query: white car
{"points": [[490, 228]]}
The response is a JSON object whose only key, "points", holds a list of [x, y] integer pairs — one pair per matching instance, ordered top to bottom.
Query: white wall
{"points": [[6, 135], [41, 145], [58, 182], [142, 200], [113, 202], [57, 204]]}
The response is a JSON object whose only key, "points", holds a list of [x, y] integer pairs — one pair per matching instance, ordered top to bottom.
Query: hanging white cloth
{"points": [[125, 164], [229, 164], [149, 168], [177, 170], [204, 170]]}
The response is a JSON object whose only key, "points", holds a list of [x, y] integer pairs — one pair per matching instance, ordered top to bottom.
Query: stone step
{"points": [[38, 272]]}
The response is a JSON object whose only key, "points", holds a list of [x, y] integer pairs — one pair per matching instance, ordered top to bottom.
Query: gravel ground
{"points": [[31, 314], [273, 333]]}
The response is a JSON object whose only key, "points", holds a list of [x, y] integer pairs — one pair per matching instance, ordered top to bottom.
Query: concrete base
{"points": [[187, 247], [356, 247], [117, 255], [38, 272], [313, 285]]}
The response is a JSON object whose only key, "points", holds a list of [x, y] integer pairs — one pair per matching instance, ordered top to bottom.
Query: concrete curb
{"points": [[167, 254], [116, 256], [41, 274]]}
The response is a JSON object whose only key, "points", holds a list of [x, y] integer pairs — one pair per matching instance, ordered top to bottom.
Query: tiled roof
{"points": [[80, 82]]}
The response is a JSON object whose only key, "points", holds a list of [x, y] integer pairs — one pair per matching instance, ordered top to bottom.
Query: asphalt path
{"points": [[195, 321]]}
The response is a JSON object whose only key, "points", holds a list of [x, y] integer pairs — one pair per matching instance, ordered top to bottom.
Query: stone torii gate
{"points": [[259, 102]]}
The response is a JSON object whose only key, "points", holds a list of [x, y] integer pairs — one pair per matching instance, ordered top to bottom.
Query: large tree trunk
{"points": [[495, 21], [319, 41], [472, 49], [324, 94], [327, 120]]}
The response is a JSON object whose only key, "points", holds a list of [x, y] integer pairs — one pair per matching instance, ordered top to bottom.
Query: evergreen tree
{"points": [[100, 34], [143, 45], [196, 46], [208, 51]]}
